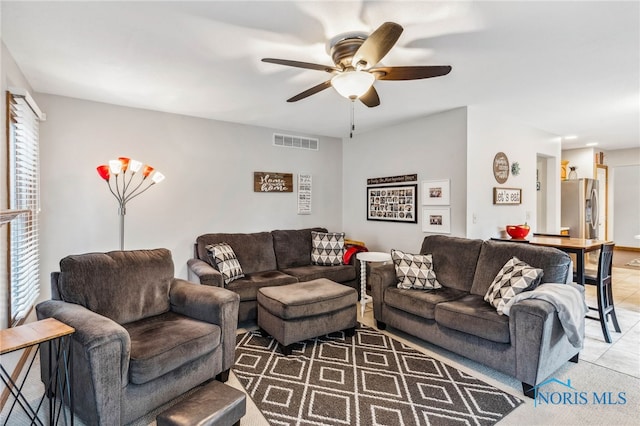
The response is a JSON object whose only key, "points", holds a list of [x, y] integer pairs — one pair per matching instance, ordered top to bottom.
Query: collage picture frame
{"points": [[393, 203]]}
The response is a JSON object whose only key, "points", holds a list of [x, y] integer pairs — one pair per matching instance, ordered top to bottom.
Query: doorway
{"points": [[602, 176], [547, 195]]}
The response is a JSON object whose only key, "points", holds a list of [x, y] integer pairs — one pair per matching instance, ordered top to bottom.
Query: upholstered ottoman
{"points": [[295, 312], [214, 404]]}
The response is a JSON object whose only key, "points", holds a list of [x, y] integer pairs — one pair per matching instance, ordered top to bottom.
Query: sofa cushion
{"points": [[293, 247], [327, 248], [254, 251], [494, 254], [454, 259], [225, 261], [414, 270], [339, 273], [515, 277], [124, 286], [247, 287], [306, 299], [420, 303], [471, 314], [162, 343]]}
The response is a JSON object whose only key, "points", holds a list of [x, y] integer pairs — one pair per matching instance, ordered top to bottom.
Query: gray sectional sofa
{"points": [[267, 259], [530, 344]]}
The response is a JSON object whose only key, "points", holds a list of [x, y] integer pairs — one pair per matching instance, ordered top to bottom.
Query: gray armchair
{"points": [[142, 336]]}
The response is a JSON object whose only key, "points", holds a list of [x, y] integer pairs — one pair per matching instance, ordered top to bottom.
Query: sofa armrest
{"points": [[200, 272], [381, 276], [211, 304], [539, 339], [96, 343]]}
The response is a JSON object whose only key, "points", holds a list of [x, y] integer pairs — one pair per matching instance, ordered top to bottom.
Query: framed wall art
{"points": [[436, 192], [304, 193], [507, 196], [393, 203], [437, 220]]}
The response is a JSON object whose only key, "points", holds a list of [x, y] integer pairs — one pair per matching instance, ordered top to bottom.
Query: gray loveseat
{"points": [[267, 259], [142, 337], [529, 344]]}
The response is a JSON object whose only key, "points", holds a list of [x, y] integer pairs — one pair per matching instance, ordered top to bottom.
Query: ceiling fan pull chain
{"points": [[353, 124]]}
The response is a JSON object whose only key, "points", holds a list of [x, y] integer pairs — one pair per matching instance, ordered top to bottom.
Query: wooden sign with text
{"points": [[392, 179], [272, 182]]}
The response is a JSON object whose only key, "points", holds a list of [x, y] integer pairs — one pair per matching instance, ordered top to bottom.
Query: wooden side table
{"points": [[364, 257], [57, 336]]}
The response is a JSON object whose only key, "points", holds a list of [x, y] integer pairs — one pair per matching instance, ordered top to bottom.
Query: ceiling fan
{"points": [[355, 56]]}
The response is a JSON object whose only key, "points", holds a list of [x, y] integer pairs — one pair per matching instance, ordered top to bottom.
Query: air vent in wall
{"points": [[290, 141]]}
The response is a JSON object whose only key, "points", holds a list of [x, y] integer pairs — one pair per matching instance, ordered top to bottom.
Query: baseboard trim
{"points": [[623, 248]]}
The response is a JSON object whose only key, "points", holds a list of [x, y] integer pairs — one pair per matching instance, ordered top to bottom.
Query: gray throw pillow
{"points": [[327, 248], [224, 259], [414, 270], [515, 277]]}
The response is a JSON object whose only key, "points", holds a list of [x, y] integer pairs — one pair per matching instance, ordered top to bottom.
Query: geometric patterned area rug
{"points": [[367, 379]]}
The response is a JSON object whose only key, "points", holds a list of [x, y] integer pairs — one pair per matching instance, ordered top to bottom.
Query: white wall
{"points": [[489, 134], [434, 147], [581, 158], [209, 169], [541, 196], [624, 199]]}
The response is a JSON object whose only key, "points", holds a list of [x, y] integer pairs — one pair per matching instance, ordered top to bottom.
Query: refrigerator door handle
{"points": [[594, 209]]}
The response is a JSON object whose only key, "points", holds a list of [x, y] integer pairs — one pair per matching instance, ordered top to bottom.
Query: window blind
{"points": [[24, 194]]}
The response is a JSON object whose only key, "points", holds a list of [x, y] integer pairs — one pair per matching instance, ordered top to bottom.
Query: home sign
{"points": [[272, 182]]}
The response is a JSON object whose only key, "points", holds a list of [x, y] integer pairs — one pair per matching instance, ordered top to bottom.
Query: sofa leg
{"points": [[381, 325], [350, 332], [286, 350], [575, 358], [223, 376], [528, 390]]}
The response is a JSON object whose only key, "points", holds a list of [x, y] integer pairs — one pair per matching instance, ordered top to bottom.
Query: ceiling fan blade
{"points": [[377, 45], [298, 64], [410, 73], [312, 91], [371, 98]]}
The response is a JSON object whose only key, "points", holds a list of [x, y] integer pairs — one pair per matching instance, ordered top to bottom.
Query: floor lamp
{"points": [[124, 189]]}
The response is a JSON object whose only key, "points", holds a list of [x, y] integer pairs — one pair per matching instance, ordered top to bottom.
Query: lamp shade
{"points": [[352, 84], [125, 163], [134, 165], [115, 166], [147, 170], [104, 172], [157, 177]]}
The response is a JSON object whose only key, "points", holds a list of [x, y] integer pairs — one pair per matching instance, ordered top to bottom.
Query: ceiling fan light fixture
{"points": [[353, 84]]}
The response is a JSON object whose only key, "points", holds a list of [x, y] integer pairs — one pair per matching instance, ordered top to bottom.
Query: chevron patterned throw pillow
{"points": [[327, 248], [224, 259], [414, 270], [515, 277]]}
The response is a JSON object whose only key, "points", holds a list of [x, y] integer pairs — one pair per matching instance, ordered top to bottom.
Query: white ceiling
{"points": [[563, 67]]}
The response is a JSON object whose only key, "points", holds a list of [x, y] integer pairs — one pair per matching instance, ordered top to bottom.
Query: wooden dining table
{"points": [[577, 246]]}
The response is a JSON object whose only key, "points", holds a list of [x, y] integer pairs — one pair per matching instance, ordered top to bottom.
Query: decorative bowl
{"points": [[517, 231]]}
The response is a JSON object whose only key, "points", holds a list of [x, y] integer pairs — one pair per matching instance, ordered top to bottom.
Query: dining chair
{"points": [[604, 292]]}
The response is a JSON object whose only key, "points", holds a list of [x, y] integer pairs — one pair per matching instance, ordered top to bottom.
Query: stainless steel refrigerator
{"points": [[579, 206]]}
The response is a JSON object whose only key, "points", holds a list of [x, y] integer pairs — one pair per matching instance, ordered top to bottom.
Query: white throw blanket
{"points": [[569, 303]]}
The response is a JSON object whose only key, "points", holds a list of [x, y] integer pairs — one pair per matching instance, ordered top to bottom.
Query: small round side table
{"points": [[364, 257]]}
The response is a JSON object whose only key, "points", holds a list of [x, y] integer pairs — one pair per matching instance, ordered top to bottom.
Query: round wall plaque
{"points": [[501, 167]]}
